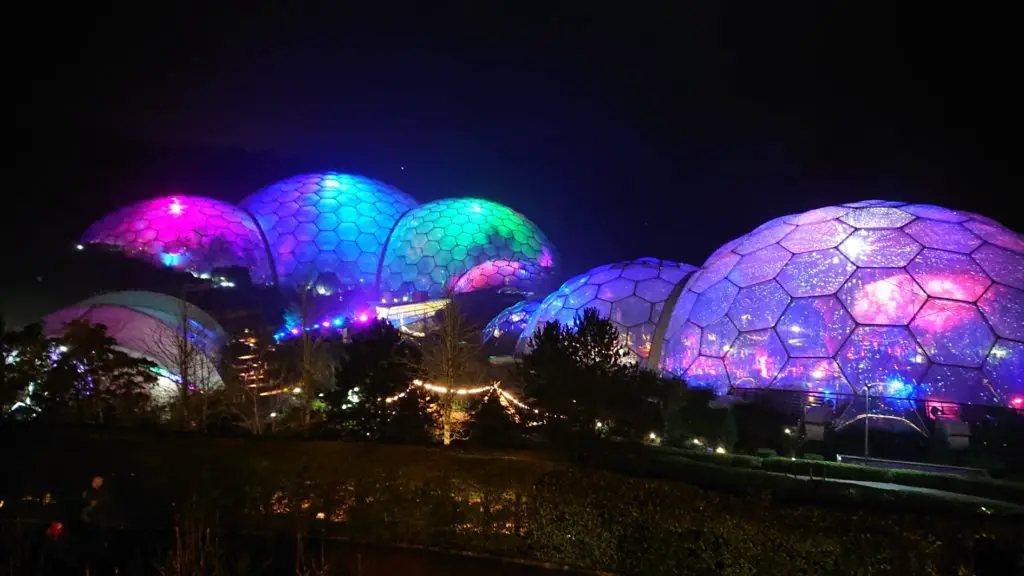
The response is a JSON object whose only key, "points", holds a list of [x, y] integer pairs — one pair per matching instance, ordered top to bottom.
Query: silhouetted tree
{"points": [[24, 362], [582, 378], [92, 381], [373, 397], [493, 424]]}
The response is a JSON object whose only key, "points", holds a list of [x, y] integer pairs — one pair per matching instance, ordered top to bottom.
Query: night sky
{"points": [[622, 132]]}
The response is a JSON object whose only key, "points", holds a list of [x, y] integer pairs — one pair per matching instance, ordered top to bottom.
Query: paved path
{"points": [[952, 496]]}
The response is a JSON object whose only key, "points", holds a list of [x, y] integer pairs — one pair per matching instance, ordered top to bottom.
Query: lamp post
{"points": [[867, 414]]}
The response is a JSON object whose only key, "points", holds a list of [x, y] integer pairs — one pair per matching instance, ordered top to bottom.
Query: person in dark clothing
{"points": [[94, 542]]}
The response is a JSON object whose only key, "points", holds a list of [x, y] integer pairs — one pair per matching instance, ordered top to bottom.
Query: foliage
{"points": [[24, 361], [378, 365], [582, 378], [90, 380], [494, 426], [529, 506]]}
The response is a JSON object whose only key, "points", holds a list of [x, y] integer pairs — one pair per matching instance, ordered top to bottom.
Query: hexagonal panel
{"points": [[332, 204], [935, 213], [818, 215], [876, 217], [469, 232], [188, 233], [996, 234], [943, 235], [820, 236], [759, 239], [884, 248], [1001, 265], [759, 266], [715, 270], [816, 273], [949, 275], [616, 289], [654, 290], [882, 296], [713, 303], [758, 306], [1003, 307], [631, 311], [815, 326], [953, 333], [718, 338], [681, 350], [882, 354], [755, 359], [1005, 369], [708, 373], [816, 375], [960, 385]]}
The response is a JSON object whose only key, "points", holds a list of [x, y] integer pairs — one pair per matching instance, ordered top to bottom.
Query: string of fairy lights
{"points": [[474, 391]]}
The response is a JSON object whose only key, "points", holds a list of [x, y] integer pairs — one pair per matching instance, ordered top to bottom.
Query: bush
{"points": [[719, 519]]}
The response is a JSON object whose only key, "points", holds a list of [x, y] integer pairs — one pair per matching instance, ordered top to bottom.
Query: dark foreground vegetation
{"points": [[199, 505]]}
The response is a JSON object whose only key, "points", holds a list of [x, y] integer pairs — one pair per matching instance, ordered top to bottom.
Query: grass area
{"points": [[1003, 490]]}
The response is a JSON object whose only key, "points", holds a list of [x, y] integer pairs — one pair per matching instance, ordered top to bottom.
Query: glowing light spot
{"points": [[176, 208]]}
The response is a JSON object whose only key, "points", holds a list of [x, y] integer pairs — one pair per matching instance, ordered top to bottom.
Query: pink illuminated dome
{"points": [[188, 233], [909, 301]]}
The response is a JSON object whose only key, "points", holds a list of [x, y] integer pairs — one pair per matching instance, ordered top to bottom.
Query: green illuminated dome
{"points": [[468, 244]]}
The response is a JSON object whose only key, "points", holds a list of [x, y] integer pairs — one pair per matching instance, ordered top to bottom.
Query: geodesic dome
{"points": [[329, 227], [188, 233], [466, 243], [632, 294], [915, 301], [511, 321], [140, 335]]}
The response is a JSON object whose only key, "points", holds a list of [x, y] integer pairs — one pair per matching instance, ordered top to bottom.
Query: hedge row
{"points": [[985, 488], [523, 505]]}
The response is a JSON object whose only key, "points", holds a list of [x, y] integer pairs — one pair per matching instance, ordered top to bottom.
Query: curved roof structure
{"points": [[329, 227], [188, 233], [466, 243], [636, 295], [915, 301], [171, 311], [511, 321], [138, 334]]}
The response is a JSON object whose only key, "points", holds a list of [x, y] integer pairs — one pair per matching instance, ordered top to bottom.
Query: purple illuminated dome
{"points": [[328, 228], [188, 233], [468, 244], [637, 296], [913, 301]]}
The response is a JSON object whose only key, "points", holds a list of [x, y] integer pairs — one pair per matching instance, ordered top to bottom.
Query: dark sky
{"points": [[623, 129]]}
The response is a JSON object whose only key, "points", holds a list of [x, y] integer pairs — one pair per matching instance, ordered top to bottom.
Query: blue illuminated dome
{"points": [[328, 228], [467, 244], [636, 295], [915, 301], [510, 322]]}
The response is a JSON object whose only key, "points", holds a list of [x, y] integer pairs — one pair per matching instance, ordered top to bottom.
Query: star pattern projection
{"points": [[328, 229], [187, 233], [467, 244], [632, 294], [915, 302], [511, 321]]}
